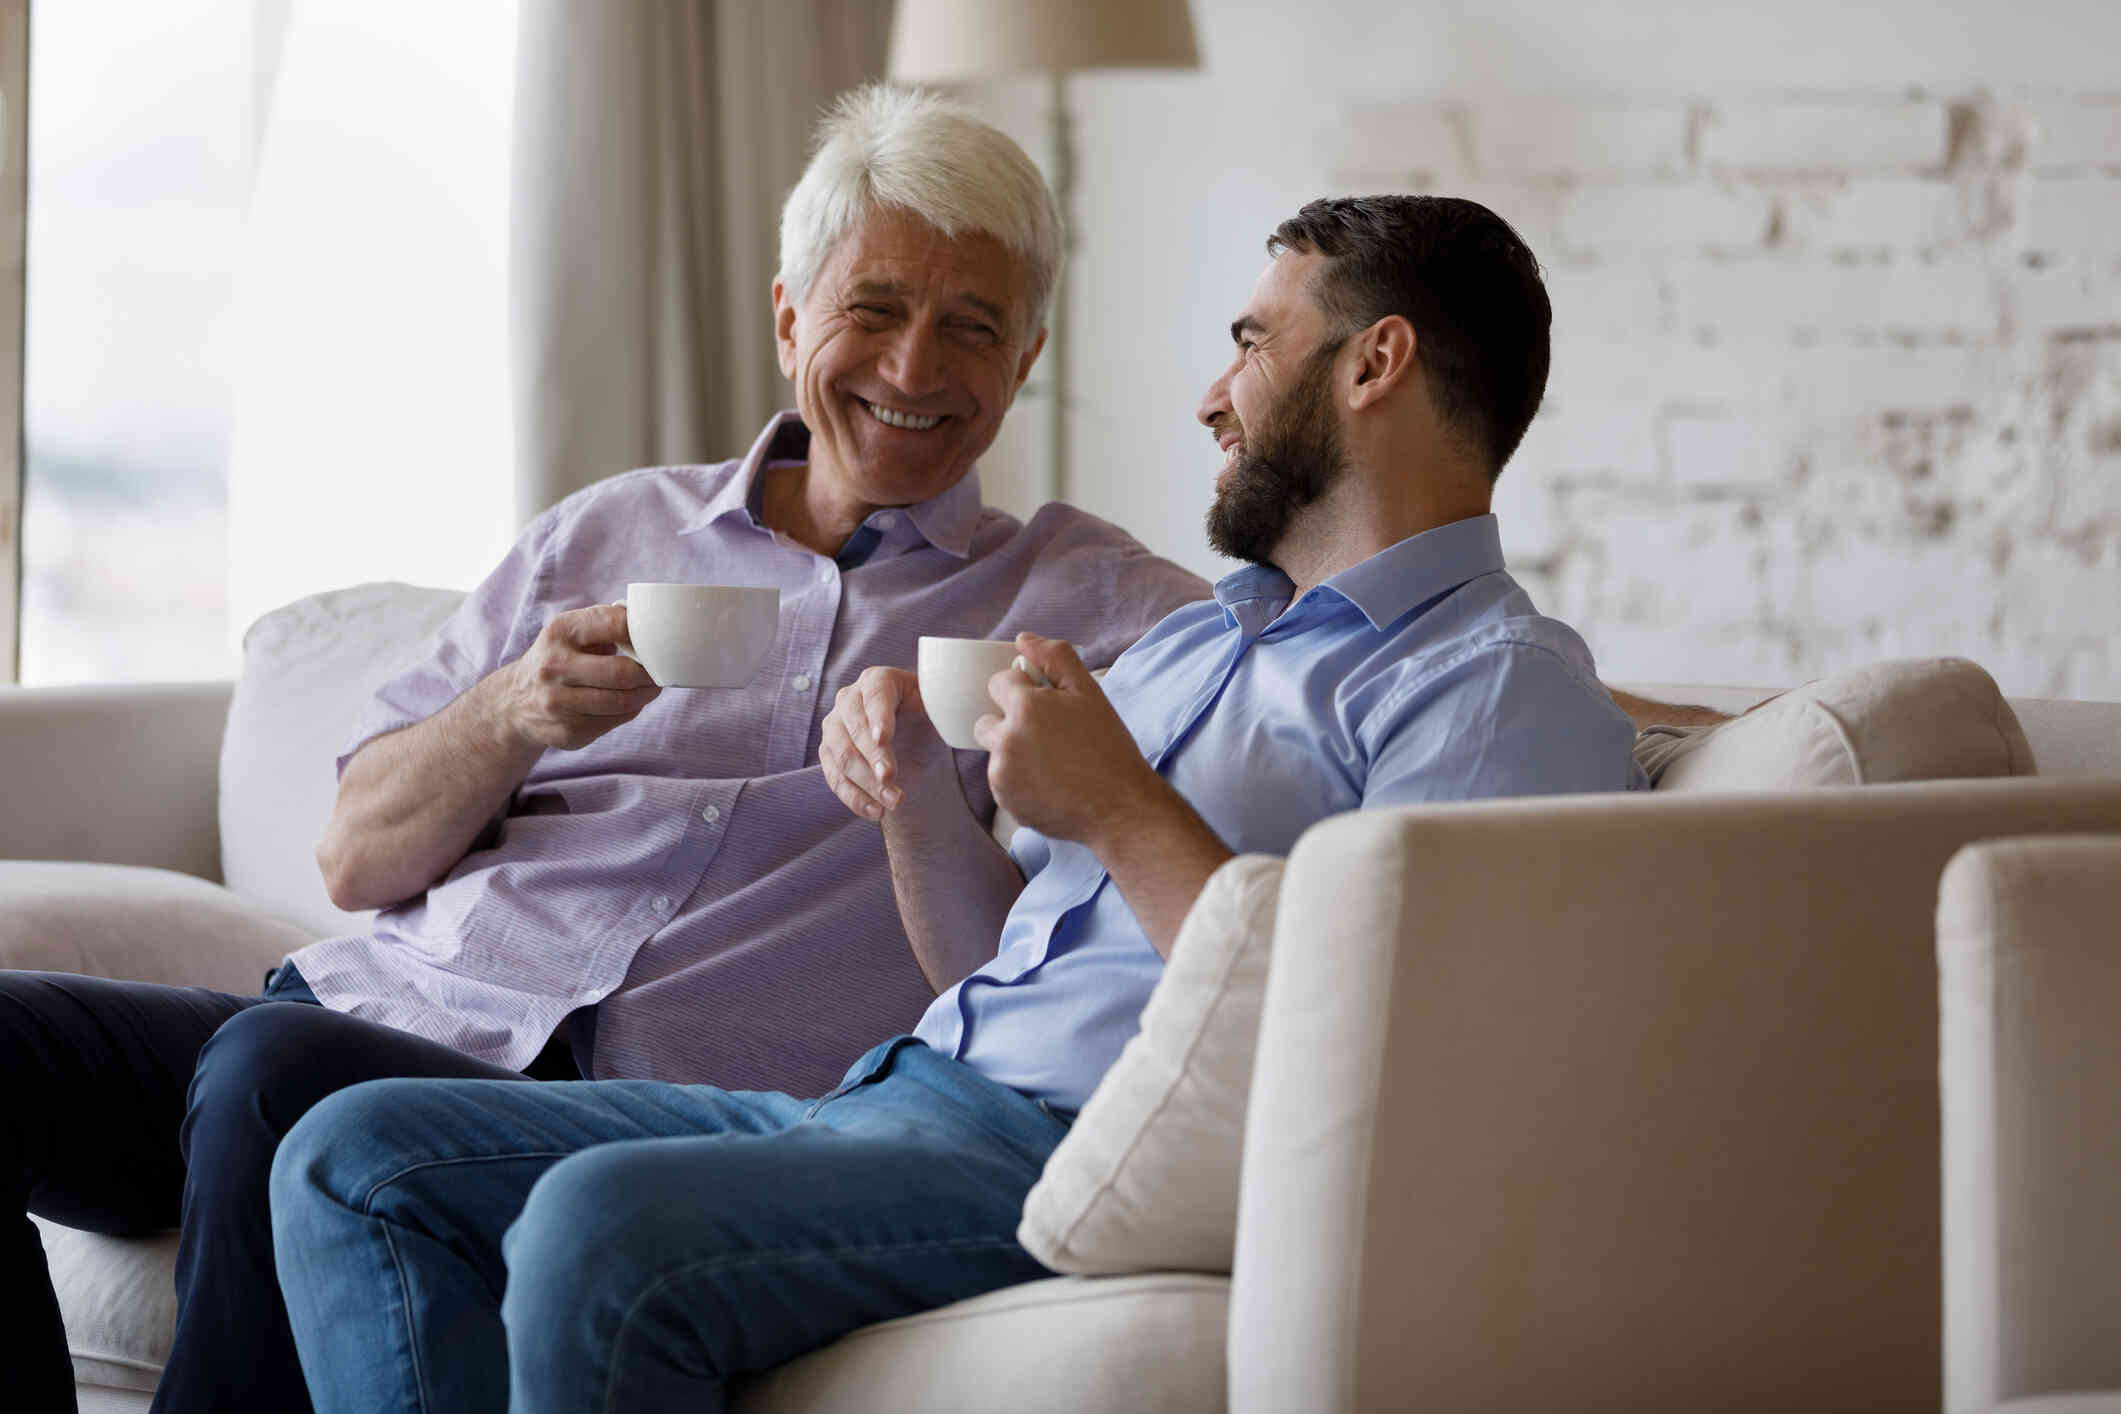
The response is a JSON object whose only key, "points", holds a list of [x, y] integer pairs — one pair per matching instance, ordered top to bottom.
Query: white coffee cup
{"points": [[701, 635], [954, 674]]}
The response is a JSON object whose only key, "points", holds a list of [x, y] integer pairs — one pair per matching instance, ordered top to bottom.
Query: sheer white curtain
{"points": [[655, 141], [372, 435]]}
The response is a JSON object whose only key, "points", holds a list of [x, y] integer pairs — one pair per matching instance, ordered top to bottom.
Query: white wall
{"points": [[1838, 304]]}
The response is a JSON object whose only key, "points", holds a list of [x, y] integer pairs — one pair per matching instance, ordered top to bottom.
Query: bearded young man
{"points": [[654, 1241]]}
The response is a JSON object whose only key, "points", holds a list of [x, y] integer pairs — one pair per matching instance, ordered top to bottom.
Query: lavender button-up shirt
{"points": [[690, 875]]}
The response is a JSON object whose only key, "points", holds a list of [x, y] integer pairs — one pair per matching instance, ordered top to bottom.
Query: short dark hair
{"points": [[1462, 277]]}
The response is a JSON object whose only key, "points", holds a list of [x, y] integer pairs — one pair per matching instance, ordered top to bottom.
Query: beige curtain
{"points": [[655, 141]]}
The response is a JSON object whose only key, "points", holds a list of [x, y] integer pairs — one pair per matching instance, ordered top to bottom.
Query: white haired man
{"points": [[579, 875]]}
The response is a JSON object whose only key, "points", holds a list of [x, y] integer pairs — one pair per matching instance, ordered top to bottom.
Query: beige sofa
{"points": [[2029, 962], [1587, 1102]]}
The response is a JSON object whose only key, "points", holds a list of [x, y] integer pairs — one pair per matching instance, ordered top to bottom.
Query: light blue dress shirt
{"points": [[1423, 673]]}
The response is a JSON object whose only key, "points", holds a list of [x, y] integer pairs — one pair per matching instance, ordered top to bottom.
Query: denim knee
{"points": [[250, 1083], [586, 1237]]}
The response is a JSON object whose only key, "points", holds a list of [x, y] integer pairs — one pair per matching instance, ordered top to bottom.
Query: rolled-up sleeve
{"points": [[494, 625]]}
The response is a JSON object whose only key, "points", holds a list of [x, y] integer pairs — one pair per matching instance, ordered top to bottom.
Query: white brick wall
{"points": [[1824, 137], [1835, 378]]}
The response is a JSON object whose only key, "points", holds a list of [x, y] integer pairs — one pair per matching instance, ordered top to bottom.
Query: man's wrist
{"points": [[492, 702], [1146, 809]]}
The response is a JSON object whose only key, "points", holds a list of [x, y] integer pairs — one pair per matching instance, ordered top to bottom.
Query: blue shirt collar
{"points": [[946, 521], [1385, 586]]}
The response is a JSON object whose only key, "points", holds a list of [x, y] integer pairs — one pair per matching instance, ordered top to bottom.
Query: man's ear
{"points": [[784, 330], [1384, 358]]}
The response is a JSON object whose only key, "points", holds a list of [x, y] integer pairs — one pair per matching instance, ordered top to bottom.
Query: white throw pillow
{"points": [[308, 670], [1917, 719], [1147, 1178]]}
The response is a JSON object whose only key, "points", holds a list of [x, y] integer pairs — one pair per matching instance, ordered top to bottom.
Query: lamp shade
{"points": [[940, 41]]}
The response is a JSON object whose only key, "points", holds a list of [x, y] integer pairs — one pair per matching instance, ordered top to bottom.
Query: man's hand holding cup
{"points": [[573, 685], [1058, 756]]}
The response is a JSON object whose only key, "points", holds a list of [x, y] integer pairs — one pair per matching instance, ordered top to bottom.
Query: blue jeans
{"points": [[454, 1245]]}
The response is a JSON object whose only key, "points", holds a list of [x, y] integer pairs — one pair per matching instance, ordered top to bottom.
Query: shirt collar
{"points": [[946, 521], [1386, 585]]}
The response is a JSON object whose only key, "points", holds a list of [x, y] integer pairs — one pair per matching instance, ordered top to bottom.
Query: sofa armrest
{"points": [[117, 775], [138, 925], [2029, 977], [1609, 1103]]}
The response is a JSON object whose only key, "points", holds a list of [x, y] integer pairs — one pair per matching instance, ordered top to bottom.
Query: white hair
{"points": [[884, 146]]}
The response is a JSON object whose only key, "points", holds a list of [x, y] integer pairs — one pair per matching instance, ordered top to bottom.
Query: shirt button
{"points": [[886, 520], [801, 682], [711, 814], [662, 904]]}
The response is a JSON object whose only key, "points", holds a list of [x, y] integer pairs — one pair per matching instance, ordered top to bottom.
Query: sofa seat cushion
{"points": [[1918, 719], [138, 925], [118, 1296], [1065, 1344], [1058, 1346]]}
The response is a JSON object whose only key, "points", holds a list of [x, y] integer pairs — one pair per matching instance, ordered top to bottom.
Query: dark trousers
{"points": [[130, 1108]]}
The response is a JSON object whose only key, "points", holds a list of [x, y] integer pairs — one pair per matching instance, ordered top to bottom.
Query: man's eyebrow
{"points": [[862, 288], [899, 289], [987, 307], [1245, 324]]}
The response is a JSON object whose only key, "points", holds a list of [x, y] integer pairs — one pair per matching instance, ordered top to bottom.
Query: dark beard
{"points": [[1290, 460]]}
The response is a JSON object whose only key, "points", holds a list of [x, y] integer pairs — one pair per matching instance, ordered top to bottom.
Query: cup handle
{"points": [[1023, 665]]}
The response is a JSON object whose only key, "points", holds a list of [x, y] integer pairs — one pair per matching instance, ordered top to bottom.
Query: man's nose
{"points": [[913, 362], [1215, 402]]}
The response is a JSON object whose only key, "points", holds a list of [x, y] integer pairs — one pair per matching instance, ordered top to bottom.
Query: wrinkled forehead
{"points": [[889, 245]]}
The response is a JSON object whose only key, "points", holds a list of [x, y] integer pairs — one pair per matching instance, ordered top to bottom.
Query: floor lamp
{"points": [[947, 41]]}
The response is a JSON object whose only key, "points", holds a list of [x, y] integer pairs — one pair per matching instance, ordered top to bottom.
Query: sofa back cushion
{"points": [[308, 670], [1915, 719]]}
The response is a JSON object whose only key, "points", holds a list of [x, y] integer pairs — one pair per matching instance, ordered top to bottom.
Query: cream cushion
{"points": [[309, 670], [1909, 720], [139, 924], [1147, 1178], [119, 1298], [1158, 1343]]}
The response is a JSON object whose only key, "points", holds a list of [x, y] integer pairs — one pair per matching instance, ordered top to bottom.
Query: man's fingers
{"points": [[586, 628], [1056, 658], [591, 668], [600, 701], [880, 704], [847, 773]]}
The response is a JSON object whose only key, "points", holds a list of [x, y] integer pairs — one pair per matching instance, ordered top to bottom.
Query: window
{"points": [[266, 348]]}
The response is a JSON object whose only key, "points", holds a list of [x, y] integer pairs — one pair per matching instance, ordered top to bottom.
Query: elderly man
{"points": [[581, 875], [454, 1245]]}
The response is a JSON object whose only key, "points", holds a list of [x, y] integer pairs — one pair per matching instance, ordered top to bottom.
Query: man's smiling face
{"points": [[905, 352], [1272, 412]]}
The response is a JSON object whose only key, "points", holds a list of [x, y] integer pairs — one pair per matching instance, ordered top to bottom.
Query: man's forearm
{"points": [[1644, 712], [411, 803], [1160, 854], [955, 885]]}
